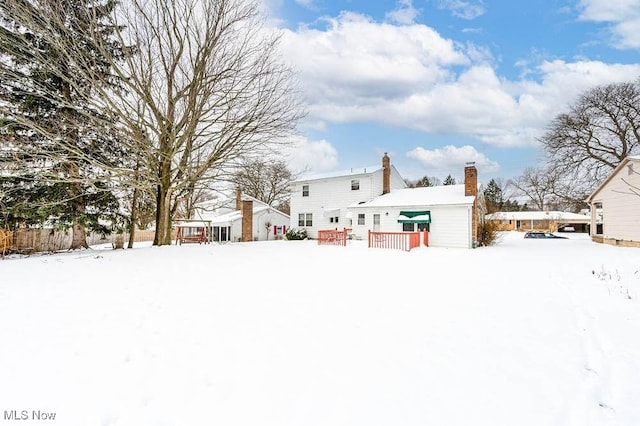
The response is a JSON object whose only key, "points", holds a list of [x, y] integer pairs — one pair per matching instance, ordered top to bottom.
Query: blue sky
{"points": [[438, 83]]}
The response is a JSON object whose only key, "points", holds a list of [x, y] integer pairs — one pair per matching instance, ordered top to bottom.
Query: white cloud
{"points": [[463, 9], [607, 10], [404, 13], [622, 15], [356, 61], [358, 70], [316, 156], [447, 158]]}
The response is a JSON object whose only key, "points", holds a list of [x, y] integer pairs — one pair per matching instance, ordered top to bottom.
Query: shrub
{"points": [[488, 233], [296, 234]]}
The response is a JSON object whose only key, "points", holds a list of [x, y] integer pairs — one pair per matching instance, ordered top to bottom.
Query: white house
{"points": [[320, 201], [615, 206], [444, 211], [448, 212], [225, 219]]}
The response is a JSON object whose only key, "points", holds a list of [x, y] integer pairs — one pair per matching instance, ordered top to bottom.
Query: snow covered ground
{"points": [[284, 333]]}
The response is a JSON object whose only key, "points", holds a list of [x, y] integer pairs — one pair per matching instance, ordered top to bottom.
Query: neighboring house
{"points": [[320, 201], [615, 206], [448, 212], [243, 219], [550, 221]]}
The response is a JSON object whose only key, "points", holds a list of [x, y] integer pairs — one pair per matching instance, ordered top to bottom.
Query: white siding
{"points": [[332, 193], [620, 207], [274, 217], [450, 225], [236, 230]]}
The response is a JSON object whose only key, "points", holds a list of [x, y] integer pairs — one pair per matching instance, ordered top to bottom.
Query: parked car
{"points": [[539, 234]]}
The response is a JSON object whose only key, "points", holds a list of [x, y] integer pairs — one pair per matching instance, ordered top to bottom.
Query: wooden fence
{"points": [[332, 237], [28, 240], [394, 240]]}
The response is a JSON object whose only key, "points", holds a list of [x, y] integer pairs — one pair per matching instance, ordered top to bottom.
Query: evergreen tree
{"points": [[57, 152], [449, 180], [427, 181], [493, 197], [511, 206]]}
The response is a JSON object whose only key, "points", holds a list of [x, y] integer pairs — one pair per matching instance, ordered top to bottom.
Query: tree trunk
{"points": [[164, 195], [163, 217], [133, 218], [79, 233], [79, 237]]}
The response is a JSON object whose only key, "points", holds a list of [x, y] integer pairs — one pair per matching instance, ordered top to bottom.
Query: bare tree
{"points": [[212, 89], [600, 129], [266, 180], [537, 184]]}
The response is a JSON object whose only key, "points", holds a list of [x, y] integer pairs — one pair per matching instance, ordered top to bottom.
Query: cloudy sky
{"points": [[437, 83]]}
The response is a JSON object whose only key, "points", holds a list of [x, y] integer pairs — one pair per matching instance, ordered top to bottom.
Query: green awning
{"points": [[415, 217]]}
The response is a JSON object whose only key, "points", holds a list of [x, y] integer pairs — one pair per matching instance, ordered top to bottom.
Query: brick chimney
{"points": [[386, 174], [471, 189], [247, 220]]}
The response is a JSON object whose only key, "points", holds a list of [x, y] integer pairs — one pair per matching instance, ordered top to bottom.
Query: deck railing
{"points": [[332, 237], [394, 240]]}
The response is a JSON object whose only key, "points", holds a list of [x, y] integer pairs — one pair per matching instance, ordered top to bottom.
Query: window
{"points": [[355, 184], [305, 190], [360, 218], [599, 218], [305, 219], [333, 219], [408, 227], [423, 227]]}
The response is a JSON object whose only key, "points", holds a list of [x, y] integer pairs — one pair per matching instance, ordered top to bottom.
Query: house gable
{"points": [[320, 201], [615, 205], [226, 220]]}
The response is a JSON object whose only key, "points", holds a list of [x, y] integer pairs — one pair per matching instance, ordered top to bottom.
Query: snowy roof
{"points": [[341, 173], [424, 196], [226, 200], [236, 215], [540, 215]]}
